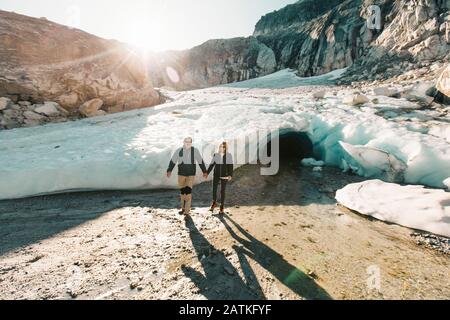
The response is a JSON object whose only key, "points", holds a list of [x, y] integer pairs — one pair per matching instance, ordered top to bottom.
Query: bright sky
{"points": [[153, 24]]}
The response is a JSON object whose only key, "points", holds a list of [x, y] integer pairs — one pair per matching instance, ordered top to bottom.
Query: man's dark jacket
{"points": [[187, 159]]}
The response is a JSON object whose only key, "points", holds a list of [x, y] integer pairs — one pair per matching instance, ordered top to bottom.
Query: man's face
{"points": [[187, 143]]}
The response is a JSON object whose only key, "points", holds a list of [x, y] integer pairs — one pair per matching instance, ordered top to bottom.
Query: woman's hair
{"points": [[225, 147]]}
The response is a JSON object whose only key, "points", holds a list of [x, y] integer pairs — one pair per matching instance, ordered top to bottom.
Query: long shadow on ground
{"points": [[273, 262], [221, 279]]}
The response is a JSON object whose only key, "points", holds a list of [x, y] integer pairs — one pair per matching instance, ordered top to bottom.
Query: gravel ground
{"points": [[283, 237], [432, 241]]}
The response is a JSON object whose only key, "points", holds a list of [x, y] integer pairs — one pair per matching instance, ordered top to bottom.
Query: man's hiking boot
{"points": [[221, 210], [181, 212]]}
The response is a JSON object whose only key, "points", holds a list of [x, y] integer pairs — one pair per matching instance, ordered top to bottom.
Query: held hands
{"points": [[169, 174], [205, 175]]}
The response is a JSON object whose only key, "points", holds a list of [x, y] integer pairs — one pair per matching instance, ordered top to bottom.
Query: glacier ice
{"points": [[287, 78], [130, 150], [311, 162], [372, 162], [411, 206]]}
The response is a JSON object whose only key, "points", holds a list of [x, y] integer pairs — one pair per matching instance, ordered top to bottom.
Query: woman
{"points": [[222, 163]]}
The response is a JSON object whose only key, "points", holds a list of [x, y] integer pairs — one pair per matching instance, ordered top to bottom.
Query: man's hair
{"points": [[188, 138]]}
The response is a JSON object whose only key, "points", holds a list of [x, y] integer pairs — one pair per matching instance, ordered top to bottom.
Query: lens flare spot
{"points": [[172, 74]]}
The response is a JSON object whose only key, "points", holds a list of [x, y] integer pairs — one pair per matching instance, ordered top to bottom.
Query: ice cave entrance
{"points": [[294, 146]]}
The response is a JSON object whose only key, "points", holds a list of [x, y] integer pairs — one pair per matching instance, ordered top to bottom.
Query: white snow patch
{"points": [[287, 78], [442, 131], [411, 206]]}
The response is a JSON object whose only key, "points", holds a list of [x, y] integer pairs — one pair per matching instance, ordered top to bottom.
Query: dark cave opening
{"points": [[294, 146]]}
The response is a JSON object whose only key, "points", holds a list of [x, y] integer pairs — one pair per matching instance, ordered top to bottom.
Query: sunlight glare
{"points": [[146, 35]]}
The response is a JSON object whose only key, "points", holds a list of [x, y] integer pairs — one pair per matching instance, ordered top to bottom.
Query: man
{"points": [[186, 157]]}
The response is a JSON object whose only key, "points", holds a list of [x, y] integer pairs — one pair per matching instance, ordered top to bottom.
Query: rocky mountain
{"points": [[315, 37], [415, 39], [43, 61], [212, 63], [78, 73]]}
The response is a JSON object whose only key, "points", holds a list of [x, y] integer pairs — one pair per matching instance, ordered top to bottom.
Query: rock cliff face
{"points": [[416, 34], [318, 36], [315, 37], [44, 61], [212, 63]]}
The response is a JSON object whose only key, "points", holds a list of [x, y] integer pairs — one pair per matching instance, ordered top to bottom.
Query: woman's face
{"points": [[222, 148]]}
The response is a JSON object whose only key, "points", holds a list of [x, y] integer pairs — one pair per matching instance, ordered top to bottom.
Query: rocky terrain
{"points": [[316, 37], [414, 44], [41, 61], [25, 114]]}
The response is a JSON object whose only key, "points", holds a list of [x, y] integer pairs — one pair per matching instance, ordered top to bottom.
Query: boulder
{"points": [[443, 82], [385, 91], [419, 93], [319, 94], [438, 96], [356, 99], [422, 100], [5, 103], [24, 103], [91, 108], [49, 109], [61, 110], [10, 113], [100, 113], [30, 115], [31, 123], [10, 124]]}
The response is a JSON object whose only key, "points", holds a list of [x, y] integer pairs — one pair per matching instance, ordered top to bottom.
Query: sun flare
{"points": [[145, 35]]}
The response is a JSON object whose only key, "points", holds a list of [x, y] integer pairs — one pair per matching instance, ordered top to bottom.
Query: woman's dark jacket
{"points": [[222, 164]]}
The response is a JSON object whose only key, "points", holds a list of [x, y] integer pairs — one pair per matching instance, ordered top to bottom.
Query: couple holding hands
{"points": [[187, 157]]}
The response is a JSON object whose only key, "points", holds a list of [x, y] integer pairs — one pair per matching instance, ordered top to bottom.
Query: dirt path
{"points": [[283, 238]]}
